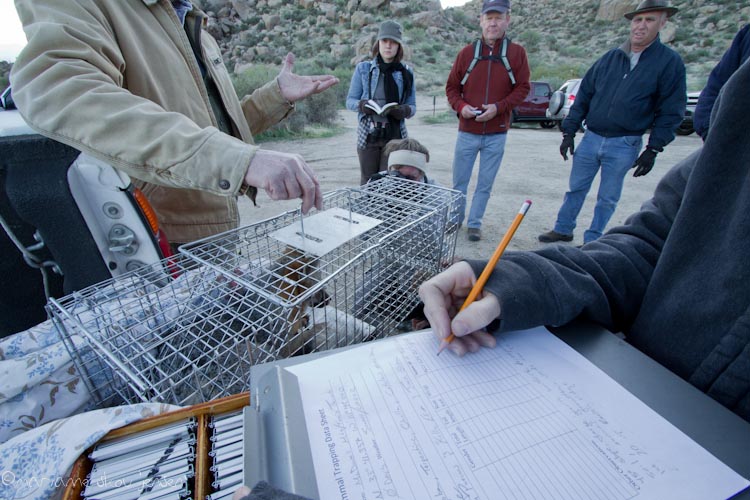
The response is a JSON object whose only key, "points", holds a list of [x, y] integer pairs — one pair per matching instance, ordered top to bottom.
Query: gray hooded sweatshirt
{"points": [[675, 278]]}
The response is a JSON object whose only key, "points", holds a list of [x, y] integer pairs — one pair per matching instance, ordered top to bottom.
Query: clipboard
{"points": [[277, 429], [281, 452]]}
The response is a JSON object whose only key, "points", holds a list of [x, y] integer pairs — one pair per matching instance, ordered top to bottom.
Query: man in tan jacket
{"points": [[142, 86]]}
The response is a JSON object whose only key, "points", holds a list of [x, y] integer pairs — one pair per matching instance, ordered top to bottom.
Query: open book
{"points": [[380, 109]]}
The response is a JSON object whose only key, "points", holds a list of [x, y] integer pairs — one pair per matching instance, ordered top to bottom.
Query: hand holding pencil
{"points": [[456, 286]]}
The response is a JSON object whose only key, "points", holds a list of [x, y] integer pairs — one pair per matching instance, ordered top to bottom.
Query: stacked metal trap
{"points": [[188, 329]]}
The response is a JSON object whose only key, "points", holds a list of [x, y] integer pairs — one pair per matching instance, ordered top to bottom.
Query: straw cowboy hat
{"points": [[651, 6]]}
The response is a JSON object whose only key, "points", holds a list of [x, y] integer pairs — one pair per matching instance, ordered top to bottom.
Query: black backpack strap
{"points": [[477, 52], [503, 57], [506, 62]]}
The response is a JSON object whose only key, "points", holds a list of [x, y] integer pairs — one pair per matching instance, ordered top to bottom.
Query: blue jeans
{"points": [[490, 149], [615, 156]]}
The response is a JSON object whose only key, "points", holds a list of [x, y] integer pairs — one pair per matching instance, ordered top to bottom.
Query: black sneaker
{"points": [[474, 234], [553, 236]]}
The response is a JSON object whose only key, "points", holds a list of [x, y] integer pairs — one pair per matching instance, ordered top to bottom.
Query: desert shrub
{"points": [[458, 16], [530, 40], [425, 49], [573, 51], [696, 55], [253, 78], [342, 89], [317, 110]]}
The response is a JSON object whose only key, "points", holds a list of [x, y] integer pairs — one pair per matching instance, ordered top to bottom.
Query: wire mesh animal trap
{"points": [[189, 329]]}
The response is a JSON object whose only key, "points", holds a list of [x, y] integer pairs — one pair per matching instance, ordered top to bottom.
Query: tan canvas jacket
{"points": [[118, 79]]}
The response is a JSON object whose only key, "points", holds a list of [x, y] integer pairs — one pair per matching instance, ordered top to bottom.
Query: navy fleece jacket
{"points": [[738, 53], [616, 101]]}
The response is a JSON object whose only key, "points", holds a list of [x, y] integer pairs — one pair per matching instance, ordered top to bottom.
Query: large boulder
{"points": [[372, 5], [431, 5], [244, 8], [399, 9], [613, 10], [329, 11], [360, 19], [428, 19], [271, 20], [667, 33], [363, 46]]}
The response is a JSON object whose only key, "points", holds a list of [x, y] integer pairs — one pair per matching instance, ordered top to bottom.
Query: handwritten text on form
{"points": [[529, 419]]}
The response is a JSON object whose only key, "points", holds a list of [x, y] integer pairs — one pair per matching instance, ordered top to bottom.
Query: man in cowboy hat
{"points": [[638, 86]]}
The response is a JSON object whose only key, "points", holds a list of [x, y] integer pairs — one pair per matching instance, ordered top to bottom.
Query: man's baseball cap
{"points": [[501, 6]]}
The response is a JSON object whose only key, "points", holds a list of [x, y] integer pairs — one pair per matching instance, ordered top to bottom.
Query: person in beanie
{"points": [[489, 78], [385, 80], [638, 86], [406, 158]]}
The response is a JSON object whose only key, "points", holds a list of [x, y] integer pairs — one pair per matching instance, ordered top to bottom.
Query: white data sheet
{"points": [[531, 418]]}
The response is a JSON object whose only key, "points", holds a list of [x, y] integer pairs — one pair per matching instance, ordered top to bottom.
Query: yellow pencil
{"points": [[477, 288]]}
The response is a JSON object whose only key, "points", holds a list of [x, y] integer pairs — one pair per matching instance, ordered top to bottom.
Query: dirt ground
{"points": [[531, 169]]}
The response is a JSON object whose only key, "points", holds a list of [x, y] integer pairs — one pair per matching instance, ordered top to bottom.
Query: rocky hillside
{"points": [[562, 38]]}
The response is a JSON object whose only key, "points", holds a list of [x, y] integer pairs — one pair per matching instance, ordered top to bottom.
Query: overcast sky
{"points": [[11, 34], [12, 38]]}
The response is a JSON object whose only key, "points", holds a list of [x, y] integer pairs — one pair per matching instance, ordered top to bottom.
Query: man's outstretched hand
{"points": [[294, 87]]}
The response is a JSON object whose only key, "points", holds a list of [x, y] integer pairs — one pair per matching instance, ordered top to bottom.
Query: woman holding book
{"points": [[382, 93]]}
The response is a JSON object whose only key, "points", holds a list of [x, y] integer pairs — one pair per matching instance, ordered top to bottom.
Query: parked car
{"points": [[562, 100], [534, 107], [686, 127], [67, 221]]}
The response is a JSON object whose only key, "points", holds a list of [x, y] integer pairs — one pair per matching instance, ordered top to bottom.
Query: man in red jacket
{"points": [[488, 79]]}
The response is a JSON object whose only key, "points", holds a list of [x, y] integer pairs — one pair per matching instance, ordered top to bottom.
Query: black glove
{"points": [[364, 109], [399, 112], [567, 145], [645, 162]]}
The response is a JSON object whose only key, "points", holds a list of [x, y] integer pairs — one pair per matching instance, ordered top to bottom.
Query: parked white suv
{"points": [[562, 100], [686, 127]]}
